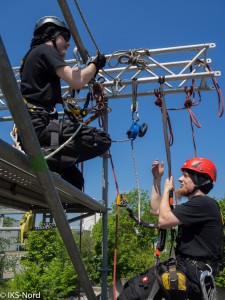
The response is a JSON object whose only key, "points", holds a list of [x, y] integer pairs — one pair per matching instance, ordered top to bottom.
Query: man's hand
{"points": [[99, 61], [157, 169], [168, 185]]}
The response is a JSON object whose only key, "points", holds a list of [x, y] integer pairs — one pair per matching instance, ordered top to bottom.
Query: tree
{"points": [[7, 222], [135, 247], [6, 262], [46, 268], [220, 279]]}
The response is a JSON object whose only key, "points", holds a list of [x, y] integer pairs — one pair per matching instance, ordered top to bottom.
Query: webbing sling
{"points": [[55, 127], [154, 290]]}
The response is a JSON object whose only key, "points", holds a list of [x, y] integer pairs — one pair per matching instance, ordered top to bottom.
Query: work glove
{"points": [[99, 61]]}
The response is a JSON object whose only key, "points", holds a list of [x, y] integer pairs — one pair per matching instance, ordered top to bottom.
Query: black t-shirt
{"points": [[39, 83], [200, 234]]}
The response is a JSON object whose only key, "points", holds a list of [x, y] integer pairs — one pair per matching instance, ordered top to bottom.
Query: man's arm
{"points": [[76, 79], [157, 172], [166, 217]]}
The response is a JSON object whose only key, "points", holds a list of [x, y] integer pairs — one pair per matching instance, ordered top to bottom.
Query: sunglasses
{"points": [[65, 36]]}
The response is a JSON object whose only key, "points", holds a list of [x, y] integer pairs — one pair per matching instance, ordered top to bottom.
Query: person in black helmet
{"points": [[42, 69], [198, 239]]}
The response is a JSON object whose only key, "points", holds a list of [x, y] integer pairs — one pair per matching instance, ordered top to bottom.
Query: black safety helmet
{"points": [[52, 22]]}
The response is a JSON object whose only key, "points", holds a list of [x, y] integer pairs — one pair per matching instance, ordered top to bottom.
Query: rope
{"points": [[85, 23], [132, 57], [96, 92], [219, 92], [158, 102], [188, 104], [165, 121], [64, 144], [137, 183], [162, 232], [116, 233]]}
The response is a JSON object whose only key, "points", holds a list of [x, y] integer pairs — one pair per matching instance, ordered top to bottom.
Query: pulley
{"points": [[136, 129], [143, 129]]}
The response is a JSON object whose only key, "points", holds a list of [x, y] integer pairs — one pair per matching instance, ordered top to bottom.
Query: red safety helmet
{"points": [[201, 165]]}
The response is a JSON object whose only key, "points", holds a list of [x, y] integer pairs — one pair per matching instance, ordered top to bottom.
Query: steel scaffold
{"points": [[146, 66]]}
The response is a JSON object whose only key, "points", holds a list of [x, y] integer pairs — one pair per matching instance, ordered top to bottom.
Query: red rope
{"points": [[219, 92], [158, 102], [188, 104], [116, 233]]}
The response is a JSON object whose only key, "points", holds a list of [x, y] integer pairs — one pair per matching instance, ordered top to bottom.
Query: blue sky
{"points": [[123, 25]]}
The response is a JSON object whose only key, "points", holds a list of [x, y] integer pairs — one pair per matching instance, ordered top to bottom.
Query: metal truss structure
{"points": [[144, 67], [25, 181]]}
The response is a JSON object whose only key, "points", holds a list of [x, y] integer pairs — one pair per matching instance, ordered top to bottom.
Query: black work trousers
{"points": [[89, 142]]}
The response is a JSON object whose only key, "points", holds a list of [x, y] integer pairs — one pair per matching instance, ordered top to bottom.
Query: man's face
{"points": [[62, 45], [186, 185]]}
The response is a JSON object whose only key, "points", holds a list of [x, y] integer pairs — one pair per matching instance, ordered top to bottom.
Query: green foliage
{"points": [[7, 221], [3, 244], [134, 244], [3, 260], [46, 268], [220, 279]]}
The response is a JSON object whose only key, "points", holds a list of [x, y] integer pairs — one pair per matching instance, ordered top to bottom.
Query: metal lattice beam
{"points": [[147, 66]]}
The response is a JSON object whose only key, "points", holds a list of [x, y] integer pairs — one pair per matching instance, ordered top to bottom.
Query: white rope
{"points": [[64, 144], [138, 188]]}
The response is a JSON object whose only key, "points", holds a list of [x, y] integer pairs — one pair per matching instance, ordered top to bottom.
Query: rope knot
{"points": [[132, 60], [158, 102], [188, 103]]}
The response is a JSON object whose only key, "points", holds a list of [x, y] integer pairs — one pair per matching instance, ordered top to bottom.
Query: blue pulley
{"points": [[133, 131]]}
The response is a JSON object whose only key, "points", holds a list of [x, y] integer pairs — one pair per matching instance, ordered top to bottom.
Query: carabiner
{"points": [[80, 63], [101, 79], [135, 117]]}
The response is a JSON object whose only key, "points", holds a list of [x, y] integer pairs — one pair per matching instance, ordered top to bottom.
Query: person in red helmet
{"points": [[43, 66], [199, 235]]}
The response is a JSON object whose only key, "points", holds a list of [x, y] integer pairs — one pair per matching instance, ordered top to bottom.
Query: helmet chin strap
{"points": [[53, 39], [203, 184], [198, 186]]}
